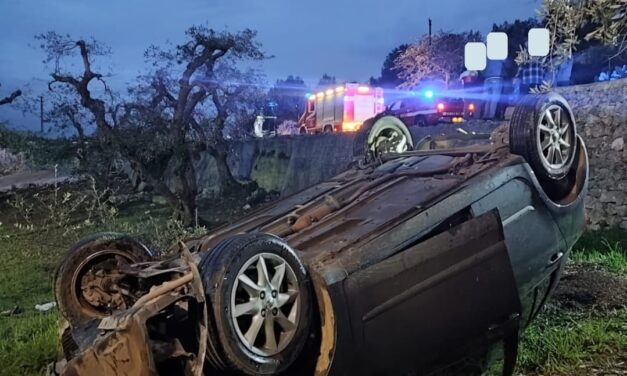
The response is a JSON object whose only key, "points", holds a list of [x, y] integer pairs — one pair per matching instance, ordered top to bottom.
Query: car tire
{"points": [[328, 129], [302, 130], [544, 132], [386, 134], [360, 142], [100, 250], [244, 312]]}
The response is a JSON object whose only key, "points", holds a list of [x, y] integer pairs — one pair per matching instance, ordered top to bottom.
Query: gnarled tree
{"points": [[10, 98], [173, 113]]}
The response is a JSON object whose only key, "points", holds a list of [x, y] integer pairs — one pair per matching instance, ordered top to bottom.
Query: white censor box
{"points": [[539, 42], [497, 46], [475, 56]]}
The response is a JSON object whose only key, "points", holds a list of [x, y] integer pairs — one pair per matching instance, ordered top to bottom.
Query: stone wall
{"points": [[601, 114], [282, 164]]}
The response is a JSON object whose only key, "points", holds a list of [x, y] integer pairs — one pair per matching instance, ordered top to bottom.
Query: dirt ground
{"points": [[585, 287]]}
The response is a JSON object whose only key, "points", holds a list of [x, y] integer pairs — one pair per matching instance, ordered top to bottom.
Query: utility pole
{"points": [[429, 31], [41, 112]]}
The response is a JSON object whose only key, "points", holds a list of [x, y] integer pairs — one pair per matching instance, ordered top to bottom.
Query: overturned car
{"points": [[417, 260]]}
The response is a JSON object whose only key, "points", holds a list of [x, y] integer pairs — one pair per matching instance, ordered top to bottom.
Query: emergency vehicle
{"points": [[430, 108], [341, 109]]}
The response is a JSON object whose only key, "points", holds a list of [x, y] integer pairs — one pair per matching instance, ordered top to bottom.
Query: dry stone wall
{"points": [[601, 113]]}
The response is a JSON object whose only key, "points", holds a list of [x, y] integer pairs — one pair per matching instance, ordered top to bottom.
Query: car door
{"points": [[534, 241], [434, 299]]}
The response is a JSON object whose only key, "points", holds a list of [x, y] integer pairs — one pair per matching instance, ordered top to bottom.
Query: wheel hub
{"points": [[555, 138], [100, 289], [265, 304]]}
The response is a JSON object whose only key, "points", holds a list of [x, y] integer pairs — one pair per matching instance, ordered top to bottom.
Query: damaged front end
{"points": [[163, 332]]}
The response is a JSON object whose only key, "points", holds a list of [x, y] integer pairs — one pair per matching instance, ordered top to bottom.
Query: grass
{"points": [[613, 257], [28, 338], [29, 343], [566, 343]]}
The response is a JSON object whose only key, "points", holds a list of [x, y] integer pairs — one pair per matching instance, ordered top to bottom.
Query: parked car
{"points": [[430, 108], [409, 262]]}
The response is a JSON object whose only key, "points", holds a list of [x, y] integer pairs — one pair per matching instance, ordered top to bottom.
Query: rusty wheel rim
{"points": [[89, 277]]}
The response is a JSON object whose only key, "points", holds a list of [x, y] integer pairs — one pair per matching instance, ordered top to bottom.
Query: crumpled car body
{"points": [[419, 261]]}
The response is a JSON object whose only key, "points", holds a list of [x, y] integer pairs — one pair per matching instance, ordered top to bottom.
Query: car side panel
{"points": [[533, 239], [432, 298]]}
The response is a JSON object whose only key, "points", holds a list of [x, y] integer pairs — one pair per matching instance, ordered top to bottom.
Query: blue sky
{"points": [[347, 39]]}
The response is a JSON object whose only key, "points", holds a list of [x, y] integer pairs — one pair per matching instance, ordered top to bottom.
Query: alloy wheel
{"points": [[555, 137], [265, 304]]}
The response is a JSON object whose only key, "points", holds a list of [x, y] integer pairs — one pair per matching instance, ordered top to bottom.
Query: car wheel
{"points": [[328, 129], [303, 130], [543, 131], [389, 135], [88, 283], [260, 303]]}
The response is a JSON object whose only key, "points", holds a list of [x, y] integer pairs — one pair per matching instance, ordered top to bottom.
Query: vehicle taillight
{"points": [[440, 107], [471, 107], [350, 126]]}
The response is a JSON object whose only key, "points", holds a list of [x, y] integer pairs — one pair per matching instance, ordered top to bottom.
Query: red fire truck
{"points": [[341, 109]]}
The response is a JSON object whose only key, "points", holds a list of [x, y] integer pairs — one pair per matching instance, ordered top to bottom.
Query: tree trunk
{"points": [[219, 152], [186, 176], [226, 180], [187, 211]]}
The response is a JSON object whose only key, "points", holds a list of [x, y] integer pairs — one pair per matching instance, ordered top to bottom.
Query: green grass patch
{"points": [[593, 239], [610, 254], [29, 337], [563, 342], [29, 343]]}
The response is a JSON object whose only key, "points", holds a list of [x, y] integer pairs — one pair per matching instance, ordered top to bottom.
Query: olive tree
{"points": [[609, 18], [565, 19], [177, 110]]}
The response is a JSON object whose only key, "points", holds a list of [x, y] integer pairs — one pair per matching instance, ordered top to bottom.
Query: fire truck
{"points": [[341, 109]]}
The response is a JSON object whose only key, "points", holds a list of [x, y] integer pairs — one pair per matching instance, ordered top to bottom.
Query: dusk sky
{"points": [[347, 39]]}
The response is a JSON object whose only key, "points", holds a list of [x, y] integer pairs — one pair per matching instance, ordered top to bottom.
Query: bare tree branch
{"points": [[10, 98]]}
